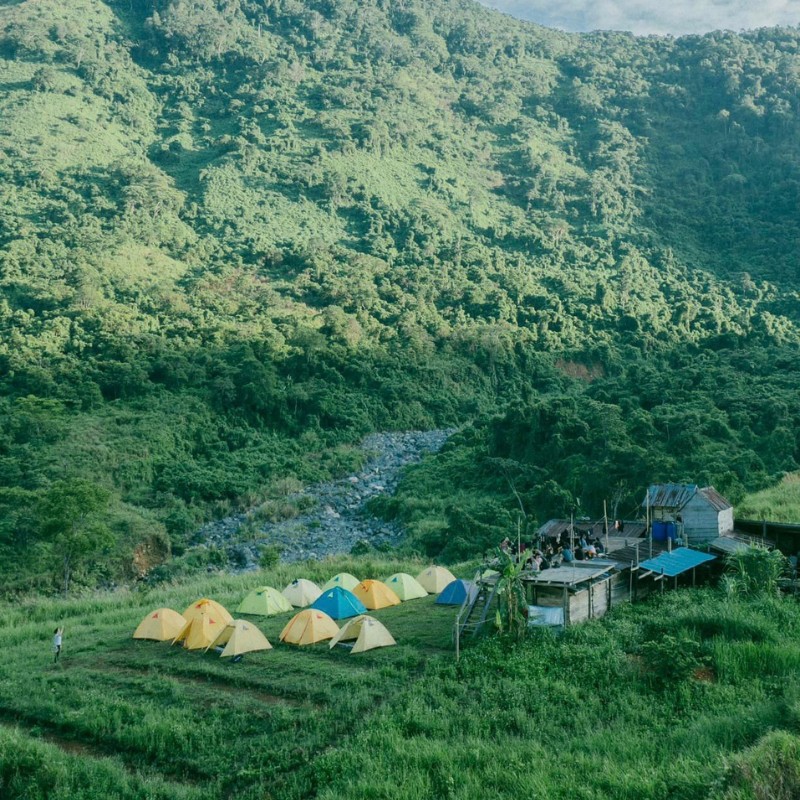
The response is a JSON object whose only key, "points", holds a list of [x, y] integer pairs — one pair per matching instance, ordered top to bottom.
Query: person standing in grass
{"points": [[59, 632]]}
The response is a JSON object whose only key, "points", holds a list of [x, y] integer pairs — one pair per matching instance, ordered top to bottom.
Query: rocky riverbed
{"points": [[334, 516]]}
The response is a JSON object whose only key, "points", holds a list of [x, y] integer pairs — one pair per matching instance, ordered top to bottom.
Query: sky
{"points": [[653, 16]]}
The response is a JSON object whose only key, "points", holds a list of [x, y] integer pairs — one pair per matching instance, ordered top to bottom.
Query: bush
{"points": [[269, 556]]}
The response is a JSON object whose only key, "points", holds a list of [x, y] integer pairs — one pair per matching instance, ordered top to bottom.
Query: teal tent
{"points": [[456, 592], [338, 603]]}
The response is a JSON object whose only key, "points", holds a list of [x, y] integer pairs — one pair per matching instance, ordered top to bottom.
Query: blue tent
{"points": [[455, 592], [338, 603]]}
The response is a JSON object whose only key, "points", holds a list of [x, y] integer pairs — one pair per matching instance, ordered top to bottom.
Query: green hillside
{"points": [[235, 236], [690, 695]]}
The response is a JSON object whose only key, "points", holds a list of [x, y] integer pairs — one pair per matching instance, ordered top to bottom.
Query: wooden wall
{"points": [[702, 523], [606, 593]]}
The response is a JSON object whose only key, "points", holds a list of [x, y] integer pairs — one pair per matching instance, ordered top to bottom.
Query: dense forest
{"points": [[236, 235]]}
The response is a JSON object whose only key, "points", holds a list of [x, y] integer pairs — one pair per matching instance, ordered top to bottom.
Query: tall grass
{"points": [[779, 503], [655, 701]]}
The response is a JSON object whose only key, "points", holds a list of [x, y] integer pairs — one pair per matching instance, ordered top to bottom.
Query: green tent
{"points": [[405, 586], [264, 601]]}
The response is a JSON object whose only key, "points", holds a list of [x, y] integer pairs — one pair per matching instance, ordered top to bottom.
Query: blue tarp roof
{"points": [[678, 561]]}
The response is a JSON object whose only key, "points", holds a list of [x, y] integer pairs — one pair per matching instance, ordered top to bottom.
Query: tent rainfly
{"points": [[343, 579], [434, 579], [405, 586], [456, 592], [301, 593], [375, 595], [264, 602], [338, 603], [206, 606], [161, 625], [309, 627], [199, 632], [368, 633], [240, 637]]}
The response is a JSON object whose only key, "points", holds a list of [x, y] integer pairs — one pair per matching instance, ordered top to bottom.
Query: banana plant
{"points": [[512, 612]]}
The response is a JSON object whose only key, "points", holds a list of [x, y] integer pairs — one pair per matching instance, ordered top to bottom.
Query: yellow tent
{"points": [[343, 579], [434, 579], [405, 586], [301, 592], [375, 595], [265, 602], [206, 606], [162, 624], [309, 627], [200, 631], [368, 633], [240, 637]]}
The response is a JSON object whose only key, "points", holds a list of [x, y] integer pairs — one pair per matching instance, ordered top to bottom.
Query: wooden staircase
{"points": [[475, 609]]}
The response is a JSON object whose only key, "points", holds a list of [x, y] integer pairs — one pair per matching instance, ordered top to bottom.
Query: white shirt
{"points": [[57, 640]]}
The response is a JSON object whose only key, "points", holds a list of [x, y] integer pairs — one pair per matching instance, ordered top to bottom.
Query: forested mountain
{"points": [[235, 235]]}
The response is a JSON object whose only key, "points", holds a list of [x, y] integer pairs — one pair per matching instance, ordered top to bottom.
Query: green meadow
{"points": [[690, 695]]}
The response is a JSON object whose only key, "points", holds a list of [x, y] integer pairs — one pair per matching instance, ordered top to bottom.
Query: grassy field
{"points": [[779, 503], [691, 695], [144, 719]]}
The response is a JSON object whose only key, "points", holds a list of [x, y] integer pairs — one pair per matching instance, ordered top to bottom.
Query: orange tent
{"points": [[374, 595], [206, 606], [160, 625], [309, 627], [200, 631]]}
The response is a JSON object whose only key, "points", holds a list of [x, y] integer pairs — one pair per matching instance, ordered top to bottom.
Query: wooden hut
{"points": [[688, 512], [579, 591]]}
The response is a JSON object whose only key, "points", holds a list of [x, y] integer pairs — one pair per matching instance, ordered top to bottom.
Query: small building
{"points": [[680, 510], [569, 594]]}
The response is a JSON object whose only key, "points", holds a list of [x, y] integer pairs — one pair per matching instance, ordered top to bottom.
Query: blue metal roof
{"points": [[678, 561]]}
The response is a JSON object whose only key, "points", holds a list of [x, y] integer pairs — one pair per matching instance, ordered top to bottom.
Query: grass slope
{"points": [[779, 503], [652, 702]]}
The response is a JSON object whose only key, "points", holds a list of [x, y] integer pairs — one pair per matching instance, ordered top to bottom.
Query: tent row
{"points": [[345, 593], [206, 623], [312, 626], [202, 627]]}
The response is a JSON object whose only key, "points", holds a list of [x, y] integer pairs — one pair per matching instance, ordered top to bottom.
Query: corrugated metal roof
{"points": [[670, 495], [676, 495], [718, 502], [732, 543], [725, 544], [626, 556], [677, 562], [569, 576]]}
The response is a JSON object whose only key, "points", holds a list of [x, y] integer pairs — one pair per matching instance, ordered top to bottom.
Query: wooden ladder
{"points": [[475, 609]]}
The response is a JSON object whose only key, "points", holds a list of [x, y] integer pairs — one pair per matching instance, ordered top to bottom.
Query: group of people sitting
{"points": [[557, 551]]}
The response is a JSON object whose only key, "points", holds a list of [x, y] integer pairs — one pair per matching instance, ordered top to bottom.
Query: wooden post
{"points": [[605, 523], [572, 532], [519, 541], [637, 554], [694, 570], [662, 580], [630, 590], [591, 604], [566, 607]]}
